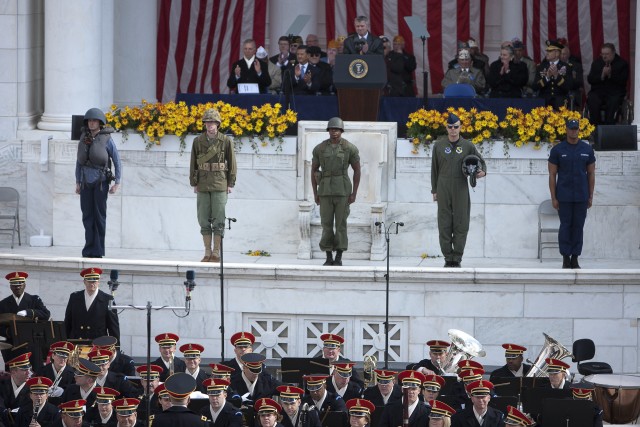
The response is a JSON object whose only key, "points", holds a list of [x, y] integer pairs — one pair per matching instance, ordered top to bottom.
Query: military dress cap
{"points": [[398, 39], [297, 40], [472, 43], [333, 44], [517, 44], [462, 45], [554, 45], [464, 54], [452, 119], [573, 124], [91, 274], [16, 278], [167, 339], [242, 339], [331, 340], [106, 342], [439, 346], [62, 348], [191, 351], [512, 351], [100, 356], [253, 361], [20, 362], [469, 364], [555, 365], [87, 368], [344, 369], [219, 370], [154, 374], [467, 375], [384, 377], [411, 378], [315, 382], [433, 382], [39, 385], [180, 385], [215, 386], [480, 388], [161, 391], [582, 391], [289, 393], [105, 395], [267, 406], [125, 407], [360, 407], [73, 408], [440, 409], [516, 418]]}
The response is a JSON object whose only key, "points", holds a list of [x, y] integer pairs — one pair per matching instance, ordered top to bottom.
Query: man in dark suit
{"points": [[363, 42], [249, 69], [321, 72], [300, 77], [608, 79], [88, 315], [167, 346], [191, 353], [120, 363], [432, 365], [514, 367], [58, 371], [254, 380], [340, 383], [179, 386], [84, 388], [385, 391], [13, 393], [319, 397], [126, 412], [219, 412], [418, 412], [46, 413], [292, 413], [479, 413]]}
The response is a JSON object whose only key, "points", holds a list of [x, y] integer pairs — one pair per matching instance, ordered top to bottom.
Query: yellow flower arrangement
{"points": [[155, 120], [424, 126]]}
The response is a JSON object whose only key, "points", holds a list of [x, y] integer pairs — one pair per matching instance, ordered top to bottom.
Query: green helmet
{"points": [[95, 114], [212, 115], [335, 123]]}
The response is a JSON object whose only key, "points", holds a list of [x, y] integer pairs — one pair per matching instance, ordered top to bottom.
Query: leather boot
{"points": [[206, 238], [215, 255], [329, 260], [338, 260], [566, 261], [574, 261]]}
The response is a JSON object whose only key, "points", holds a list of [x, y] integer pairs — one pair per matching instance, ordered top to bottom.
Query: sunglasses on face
{"points": [[314, 54], [453, 126]]}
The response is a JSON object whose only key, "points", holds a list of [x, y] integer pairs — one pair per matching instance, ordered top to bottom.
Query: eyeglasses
{"points": [[314, 54], [453, 126]]}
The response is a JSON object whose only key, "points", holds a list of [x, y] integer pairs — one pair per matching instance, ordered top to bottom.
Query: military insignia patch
{"points": [[447, 150], [459, 150]]}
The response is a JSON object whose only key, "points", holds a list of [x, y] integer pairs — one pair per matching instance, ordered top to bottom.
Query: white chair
{"points": [[10, 210], [548, 222]]}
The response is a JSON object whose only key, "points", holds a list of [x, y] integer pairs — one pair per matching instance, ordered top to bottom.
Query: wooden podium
{"points": [[359, 80]]}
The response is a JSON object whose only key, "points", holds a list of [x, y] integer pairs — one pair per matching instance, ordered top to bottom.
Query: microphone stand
{"points": [[425, 75], [387, 235]]}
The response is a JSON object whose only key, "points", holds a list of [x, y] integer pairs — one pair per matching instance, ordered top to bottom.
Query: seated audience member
{"points": [[313, 40], [363, 42], [386, 43], [293, 45], [332, 51], [478, 56], [520, 56], [282, 58], [477, 63], [400, 68], [249, 69], [275, 72], [321, 72], [465, 73], [577, 75], [301, 78], [507, 78], [553, 79], [608, 79], [514, 356], [385, 391], [37, 411], [479, 411]]}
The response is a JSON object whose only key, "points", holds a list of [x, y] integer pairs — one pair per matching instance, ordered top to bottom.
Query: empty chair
{"points": [[459, 90], [10, 211], [548, 222], [585, 349]]}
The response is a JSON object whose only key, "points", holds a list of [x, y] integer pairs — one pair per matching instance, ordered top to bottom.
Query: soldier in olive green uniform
{"points": [[329, 171], [212, 174], [450, 189]]}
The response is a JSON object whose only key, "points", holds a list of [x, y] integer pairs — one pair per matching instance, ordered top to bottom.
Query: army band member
{"points": [[22, 303], [242, 344], [331, 349], [191, 353], [167, 360], [120, 363], [432, 365], [514, 367], [58, 371], [557, 371], [224, 372], [106, 378], [149, 379], [254, 382], [340, 383], [179, 386], [431, 387], [84, 388], [385, 391], [459, 391], [584, 391], [13, 392], [319, 397], [163, 399], [37, 410], [268, 411], [360, 411], [126, 412], [219, 412], [394, 412], [479, 412], [101, 413], [71, 414], [440, 414], [293, 415], [516, 418]]}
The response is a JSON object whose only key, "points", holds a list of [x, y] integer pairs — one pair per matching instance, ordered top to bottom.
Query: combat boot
{"points": [[206, 238], [215, 255], [338, 259], [329, 260], [566, 261], [574, 261]]}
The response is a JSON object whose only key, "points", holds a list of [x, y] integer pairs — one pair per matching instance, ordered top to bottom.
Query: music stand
{"points": [[419, 30], [38, 337], [294, 368], [513, 386], [532, 397], [501, 402], [196, 405], [567, 413], [334, 419]]}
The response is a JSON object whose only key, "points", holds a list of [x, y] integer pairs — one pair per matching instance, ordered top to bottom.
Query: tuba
{"points": [[463, 346], [551, 349], [370, 363]]}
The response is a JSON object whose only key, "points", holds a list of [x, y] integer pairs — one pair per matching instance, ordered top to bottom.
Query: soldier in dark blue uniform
{"points": [[554, 77], [572, 180], [241, 342], [331, 349], [191, 353], [120, 362], [169, 363], [432, 365], [514, 367], [58, 371], [557, 371], [224, 372], [467, 376], [106, 378], [148, 379], [254, 380], [340, 381], [179, 386], [84, 388], [431, 388], [385, 391], [584, 391], [13, 396], [319, 397], [268, 411], [360, 411], [126, 412], [219, 412], [394, 412], [45, 413], [72, 413], [102, 413], [293, 413], [438, 413], [479, 413]]}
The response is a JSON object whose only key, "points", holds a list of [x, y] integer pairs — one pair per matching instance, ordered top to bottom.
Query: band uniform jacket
{"points": [[375, 44], [249, 75], [32, 304], [98, 321], [233, 363], [425, 363], [123, 364], [178, 366], [504, 372], [202, 375], [67, 376], [355, 377], [120, 383], [265, 386], [353, 390], [72, 392], [373, 395], [9, 400], [332, 402], [142, 407], [393, 413], [47, 416], [92, 416], [178, 416], [230, 416], [466, 418], [313, 420], [59, 424]]}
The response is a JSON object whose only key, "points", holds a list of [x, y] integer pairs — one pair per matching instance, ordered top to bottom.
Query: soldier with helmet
{"points": [[96, 152], [212, 174], [332, 189]]}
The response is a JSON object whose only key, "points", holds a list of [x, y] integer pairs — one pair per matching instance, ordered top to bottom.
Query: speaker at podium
{"points": [[359, 80]]}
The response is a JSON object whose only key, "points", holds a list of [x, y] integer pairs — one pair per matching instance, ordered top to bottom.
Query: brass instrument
{"points": [[463, 346], [551, 349], [171, 364], [370, 378], [57, 380], [405, 407], [36, 409]]}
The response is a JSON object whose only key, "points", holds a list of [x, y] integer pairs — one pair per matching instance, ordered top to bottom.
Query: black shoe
{"points": [[329, 260], [338, 260], [566, 261], [574, 261], [448, 264], [455, 264]]}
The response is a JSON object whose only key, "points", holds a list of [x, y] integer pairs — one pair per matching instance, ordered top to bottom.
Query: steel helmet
{"points": [[95, 114], [212, 115], [335, 123], [471, 165]]}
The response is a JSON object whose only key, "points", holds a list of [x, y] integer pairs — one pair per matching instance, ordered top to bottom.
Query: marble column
{"points": [[282, 13], [511, 23], [135, 26], [636, 67], [78, 76]]}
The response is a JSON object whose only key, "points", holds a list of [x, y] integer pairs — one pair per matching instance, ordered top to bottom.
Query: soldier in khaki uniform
{"points": [[212, 174], [332, 188]]}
